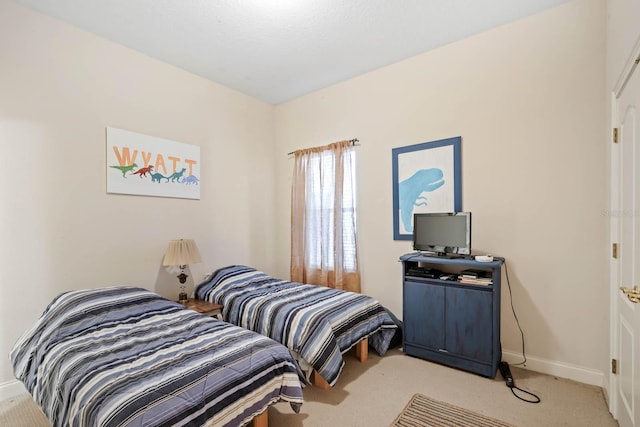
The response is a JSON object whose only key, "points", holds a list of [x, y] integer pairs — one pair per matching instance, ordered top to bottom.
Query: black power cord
{"points": [[515, 316], [504, 366], [506, 374], [537, 399]]}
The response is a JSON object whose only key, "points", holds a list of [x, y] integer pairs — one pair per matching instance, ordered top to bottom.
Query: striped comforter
{"points": [[317, 323], [124, 356]]}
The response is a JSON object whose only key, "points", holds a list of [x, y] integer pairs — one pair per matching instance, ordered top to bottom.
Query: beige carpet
{"points": [[372, 394], [21, 411], [422, 411]]}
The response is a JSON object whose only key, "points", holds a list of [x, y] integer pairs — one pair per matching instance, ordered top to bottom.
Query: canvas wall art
{"points": [[150, 166], [426, 178]]}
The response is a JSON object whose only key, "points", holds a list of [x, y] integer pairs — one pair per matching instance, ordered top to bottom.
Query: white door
{"points": [[628, 303]]}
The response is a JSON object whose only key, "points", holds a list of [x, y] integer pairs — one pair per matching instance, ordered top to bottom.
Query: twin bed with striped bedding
{"points": [[318, 324], [124, 356]]}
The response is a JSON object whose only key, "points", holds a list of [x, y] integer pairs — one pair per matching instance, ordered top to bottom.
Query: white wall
{"points": [[623, 32], [60, 87], [529, 101]]}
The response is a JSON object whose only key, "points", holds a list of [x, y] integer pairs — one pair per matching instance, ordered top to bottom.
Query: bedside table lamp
{"points": [[181, 253]]}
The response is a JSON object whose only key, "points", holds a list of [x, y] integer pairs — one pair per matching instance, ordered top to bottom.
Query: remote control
{"points": [[506, 374]]}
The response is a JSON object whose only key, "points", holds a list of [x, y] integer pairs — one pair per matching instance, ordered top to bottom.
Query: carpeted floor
{"points": [[374, 393], [21, 411]]}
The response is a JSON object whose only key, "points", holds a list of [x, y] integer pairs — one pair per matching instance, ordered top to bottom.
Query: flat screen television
{"points": [[442, 233]]}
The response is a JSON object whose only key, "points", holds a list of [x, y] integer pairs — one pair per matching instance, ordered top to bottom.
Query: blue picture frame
{"points": [[426, 178]]}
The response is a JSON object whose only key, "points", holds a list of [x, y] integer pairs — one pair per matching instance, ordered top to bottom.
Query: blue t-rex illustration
{"points": [[409, 191]]}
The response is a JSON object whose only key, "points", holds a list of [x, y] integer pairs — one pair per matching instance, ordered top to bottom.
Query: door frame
{"points": [[614, 215]]}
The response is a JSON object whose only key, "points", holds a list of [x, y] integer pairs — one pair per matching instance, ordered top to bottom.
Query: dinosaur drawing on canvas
{"points": [[125, 169], [143, 171], [176, 175], [156, 177], [191, 179], [410, 192]]}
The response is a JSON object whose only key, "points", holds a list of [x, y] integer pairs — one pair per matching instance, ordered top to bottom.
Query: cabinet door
{"points": [[424, 315], [469, 323]]}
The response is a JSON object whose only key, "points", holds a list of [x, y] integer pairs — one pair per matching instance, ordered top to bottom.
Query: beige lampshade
{"points": [[182, 252]]}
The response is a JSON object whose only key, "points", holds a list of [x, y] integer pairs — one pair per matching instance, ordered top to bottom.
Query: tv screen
{"points": [[442, 233]]}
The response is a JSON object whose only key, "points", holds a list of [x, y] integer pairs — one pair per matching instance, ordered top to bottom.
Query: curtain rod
{"points": [[353, 141]]}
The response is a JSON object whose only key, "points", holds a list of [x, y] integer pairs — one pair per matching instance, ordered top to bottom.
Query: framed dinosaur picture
{"points": [[150, 166], [426, 178]]}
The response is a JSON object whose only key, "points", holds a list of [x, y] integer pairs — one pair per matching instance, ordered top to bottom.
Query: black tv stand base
{"points": [[445, 255]]}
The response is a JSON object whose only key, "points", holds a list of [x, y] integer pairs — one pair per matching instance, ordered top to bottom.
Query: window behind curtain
{"points": [[321, 192], [324, 217]]}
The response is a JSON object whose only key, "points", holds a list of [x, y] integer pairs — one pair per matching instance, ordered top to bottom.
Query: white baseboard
{"points": [[558, 369], [11, 389]]}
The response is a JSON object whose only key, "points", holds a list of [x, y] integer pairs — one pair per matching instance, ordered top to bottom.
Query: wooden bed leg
{"points": [[362, 350], [320, 382], [261, 420]]}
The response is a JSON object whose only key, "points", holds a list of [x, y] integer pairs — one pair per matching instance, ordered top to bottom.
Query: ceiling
{"points": [[277, 50]]}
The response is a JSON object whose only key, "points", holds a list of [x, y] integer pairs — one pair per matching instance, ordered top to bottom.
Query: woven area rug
{"points": [[422, 411]]}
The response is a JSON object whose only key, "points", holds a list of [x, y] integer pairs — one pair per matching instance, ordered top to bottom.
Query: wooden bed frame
{"points": [[362, 353], [261, 420]]}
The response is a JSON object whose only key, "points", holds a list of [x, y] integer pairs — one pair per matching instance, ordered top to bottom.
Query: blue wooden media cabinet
{"points": [[448, 321]]}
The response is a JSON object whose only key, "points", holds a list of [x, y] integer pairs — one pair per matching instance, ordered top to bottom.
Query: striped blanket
{"points": [[319, 324], [124, 356]]}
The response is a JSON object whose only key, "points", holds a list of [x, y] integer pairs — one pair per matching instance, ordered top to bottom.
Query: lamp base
{"points": [[182, 297]]}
